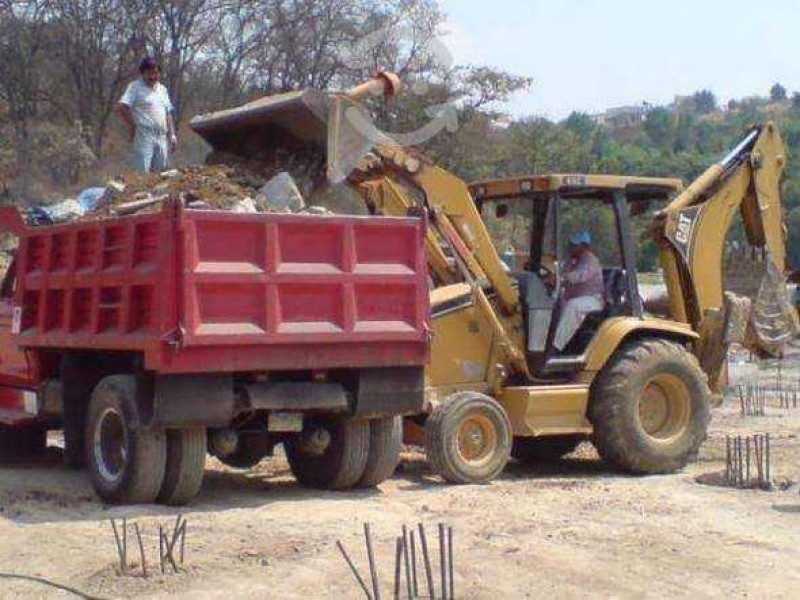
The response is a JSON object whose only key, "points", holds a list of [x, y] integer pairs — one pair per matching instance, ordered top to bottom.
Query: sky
{"points": [[588, 55]]}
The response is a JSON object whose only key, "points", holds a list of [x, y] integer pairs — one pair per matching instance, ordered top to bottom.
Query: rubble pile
{"points": [[218, 186], [207, 187]]}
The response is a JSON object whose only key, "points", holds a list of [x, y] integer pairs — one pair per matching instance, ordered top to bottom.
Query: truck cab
{"points": [[17, 384]]}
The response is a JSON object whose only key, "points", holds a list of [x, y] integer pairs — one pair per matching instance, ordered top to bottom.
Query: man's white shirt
{"points": [[149, 105]]}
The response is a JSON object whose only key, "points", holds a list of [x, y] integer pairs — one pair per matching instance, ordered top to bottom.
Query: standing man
{"points": [[146, 110], [583, 288]]}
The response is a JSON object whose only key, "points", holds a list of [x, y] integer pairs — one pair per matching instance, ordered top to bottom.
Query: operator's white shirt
{"points": [[149, 105]]}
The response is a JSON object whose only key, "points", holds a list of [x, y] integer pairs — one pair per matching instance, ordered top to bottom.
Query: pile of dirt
{"points": [[217, 186]]}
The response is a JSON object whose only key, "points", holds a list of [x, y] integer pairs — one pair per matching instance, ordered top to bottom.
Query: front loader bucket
{"points": [[265, 123], [334, 124]]}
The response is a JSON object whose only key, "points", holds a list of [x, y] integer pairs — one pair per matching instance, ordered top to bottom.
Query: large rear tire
{"points": [[650, 408], [385, 438], [468, 438], [331, 453], [186, 460], [126, 461]]}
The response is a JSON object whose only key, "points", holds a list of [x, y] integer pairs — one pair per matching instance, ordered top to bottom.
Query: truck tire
{"points": [[650, 408], [385, 438], [468, 438], [21, 442], [548, 449], [186, 460], [126, 462], [335, 465]]}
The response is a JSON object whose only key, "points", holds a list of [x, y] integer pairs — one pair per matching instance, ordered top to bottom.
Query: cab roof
{"points": [[596, 187]]}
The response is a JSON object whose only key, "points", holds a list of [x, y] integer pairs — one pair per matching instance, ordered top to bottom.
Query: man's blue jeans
{"points": [[150, 151]]}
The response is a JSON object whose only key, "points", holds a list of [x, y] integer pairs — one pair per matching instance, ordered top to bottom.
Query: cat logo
{"points": [[684, 232]]}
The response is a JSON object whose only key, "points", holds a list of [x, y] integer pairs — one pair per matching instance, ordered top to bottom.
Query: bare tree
{"points": [[23, 27], [98, 44]]}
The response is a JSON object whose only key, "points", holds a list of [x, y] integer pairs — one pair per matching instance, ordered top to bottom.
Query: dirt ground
{"points": [[568, 529]]}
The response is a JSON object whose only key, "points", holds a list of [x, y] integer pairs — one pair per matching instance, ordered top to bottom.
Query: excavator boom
{"points": [[692, 231]]}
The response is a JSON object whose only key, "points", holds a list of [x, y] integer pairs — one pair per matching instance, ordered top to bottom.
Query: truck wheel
{"points": [[650, 408], [385, 438], [468, 438], [21, 442], [547, 449], [330, 453], [186, 460], [126, 462]]}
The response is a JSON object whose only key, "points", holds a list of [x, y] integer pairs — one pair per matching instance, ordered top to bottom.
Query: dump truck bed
{"points": [[209, 291]]}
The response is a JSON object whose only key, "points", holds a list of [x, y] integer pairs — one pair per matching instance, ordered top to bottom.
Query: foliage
{"points": [[64, 64], [777, 93]]}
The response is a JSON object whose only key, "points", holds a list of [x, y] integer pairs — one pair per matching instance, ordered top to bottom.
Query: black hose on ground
{"points": [[43, 581]]}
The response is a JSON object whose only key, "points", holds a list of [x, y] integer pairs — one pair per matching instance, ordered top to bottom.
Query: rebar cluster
{"points": [[747, 461], [405, 565]]}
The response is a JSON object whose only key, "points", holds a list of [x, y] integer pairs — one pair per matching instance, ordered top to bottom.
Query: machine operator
{"points": [[583, 288]]}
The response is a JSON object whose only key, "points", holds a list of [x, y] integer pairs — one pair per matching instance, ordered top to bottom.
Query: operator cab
{"points": [[532, 219]]}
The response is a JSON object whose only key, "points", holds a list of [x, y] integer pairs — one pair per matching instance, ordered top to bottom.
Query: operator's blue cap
{"points": [[582, 237]]}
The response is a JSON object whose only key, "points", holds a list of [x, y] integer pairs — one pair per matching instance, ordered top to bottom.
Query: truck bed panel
{"points": [[203, 290]]}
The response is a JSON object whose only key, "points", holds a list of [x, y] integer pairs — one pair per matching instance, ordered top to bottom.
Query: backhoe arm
{"points": [[692, 230]]}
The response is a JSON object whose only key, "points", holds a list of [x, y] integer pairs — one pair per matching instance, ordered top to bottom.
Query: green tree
{"points": [[777, 93], [704, 102], [581, 125], [659, 125]]}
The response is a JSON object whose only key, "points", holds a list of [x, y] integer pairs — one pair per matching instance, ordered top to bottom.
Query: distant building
{"points": [[682, 104], [623, 116]]}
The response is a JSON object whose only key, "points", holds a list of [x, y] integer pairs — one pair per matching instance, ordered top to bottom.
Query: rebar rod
{"points": [[423, 541], [118, 542], [124, 544], [141, 550], [398, 550], [443, 559], [407, 560], [450, 562], [373, 569], [353, 570], [415, 585]]}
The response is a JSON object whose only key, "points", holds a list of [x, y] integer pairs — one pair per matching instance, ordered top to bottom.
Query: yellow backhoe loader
{"points": [[637, 386]]}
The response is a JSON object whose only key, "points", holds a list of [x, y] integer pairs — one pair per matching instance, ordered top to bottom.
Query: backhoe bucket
{"points": [[773, 320]]}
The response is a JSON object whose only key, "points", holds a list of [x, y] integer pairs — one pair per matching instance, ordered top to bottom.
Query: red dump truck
{"points": [[154, 338]]}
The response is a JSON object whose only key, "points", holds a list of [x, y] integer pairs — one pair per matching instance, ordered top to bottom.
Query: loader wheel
{"points": [[650, 408], [385, 438], [468, 438], [21, 442], [547, 449], [330, 453], [186, 460], [126, 462]]}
